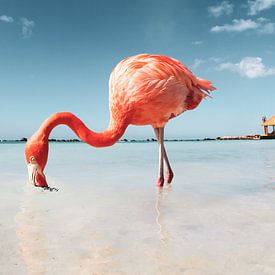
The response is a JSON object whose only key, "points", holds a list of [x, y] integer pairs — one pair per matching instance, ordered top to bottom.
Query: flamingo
{"points": [[144, 89]]}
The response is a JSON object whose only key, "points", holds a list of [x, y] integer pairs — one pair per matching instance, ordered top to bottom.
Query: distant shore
{"points": [[75, 140]]}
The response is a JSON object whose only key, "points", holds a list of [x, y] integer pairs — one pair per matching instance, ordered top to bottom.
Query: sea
{"points": [[108, 217]]}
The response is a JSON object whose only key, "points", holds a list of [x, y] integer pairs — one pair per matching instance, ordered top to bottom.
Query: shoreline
{"points": [[148, 140]]}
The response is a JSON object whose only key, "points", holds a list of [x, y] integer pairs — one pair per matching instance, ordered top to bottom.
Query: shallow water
{"points": [[218, 217]]}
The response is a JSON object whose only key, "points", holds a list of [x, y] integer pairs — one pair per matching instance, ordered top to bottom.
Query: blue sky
{"points": [[58, 55]]}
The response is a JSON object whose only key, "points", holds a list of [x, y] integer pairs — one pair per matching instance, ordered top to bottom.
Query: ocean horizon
{"points": [[141, 140]]}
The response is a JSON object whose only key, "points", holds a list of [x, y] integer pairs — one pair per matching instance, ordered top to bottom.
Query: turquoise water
{"points": [[218, 217]]}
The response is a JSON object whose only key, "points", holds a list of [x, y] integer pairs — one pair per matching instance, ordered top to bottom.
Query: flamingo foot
{"points": [[169, 176], [160, 182]]}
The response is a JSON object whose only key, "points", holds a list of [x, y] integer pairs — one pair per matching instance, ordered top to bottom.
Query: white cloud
{"points": [[256, 6], [223, 8], [6, 18], [238, 25], [261, 25], [27, 27], [197, 42], [197, 63], [250, 67]]}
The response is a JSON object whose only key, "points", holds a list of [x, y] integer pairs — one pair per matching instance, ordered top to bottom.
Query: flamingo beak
{"points": [[36, 175]]}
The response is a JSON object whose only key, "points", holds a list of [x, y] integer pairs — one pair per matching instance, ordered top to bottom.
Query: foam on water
{"points": [[218, 217]]}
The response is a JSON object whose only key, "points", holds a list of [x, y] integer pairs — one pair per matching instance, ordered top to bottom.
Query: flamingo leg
{"points": [[169, 171], [160, 180]]}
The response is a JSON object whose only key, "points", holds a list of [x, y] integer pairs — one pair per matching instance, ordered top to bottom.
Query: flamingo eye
{"points": [[32, 158]]}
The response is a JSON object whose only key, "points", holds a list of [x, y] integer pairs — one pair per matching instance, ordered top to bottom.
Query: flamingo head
{"points": [[36, 153]]}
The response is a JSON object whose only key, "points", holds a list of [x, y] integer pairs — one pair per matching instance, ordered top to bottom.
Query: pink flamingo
{"points": [[144, 89]]}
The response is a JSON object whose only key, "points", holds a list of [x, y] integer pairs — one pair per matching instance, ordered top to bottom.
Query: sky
{"points": [[58, 55]]}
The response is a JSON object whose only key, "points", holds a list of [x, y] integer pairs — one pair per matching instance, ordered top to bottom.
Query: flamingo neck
{"points": [[106, 138]]}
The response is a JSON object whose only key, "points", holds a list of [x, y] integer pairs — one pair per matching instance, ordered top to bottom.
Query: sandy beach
{"points": [[218, 217]]}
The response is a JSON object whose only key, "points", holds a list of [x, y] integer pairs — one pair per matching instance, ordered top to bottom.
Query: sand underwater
{"points": [[218, 217]]}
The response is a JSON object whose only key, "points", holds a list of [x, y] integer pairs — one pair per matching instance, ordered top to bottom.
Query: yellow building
{"points": [[269, 123]]}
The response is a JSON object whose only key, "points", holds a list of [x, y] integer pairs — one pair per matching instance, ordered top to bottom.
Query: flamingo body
{"points": [[151, 89], [143, 90]]}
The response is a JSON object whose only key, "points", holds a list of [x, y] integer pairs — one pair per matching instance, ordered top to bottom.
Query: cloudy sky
{"points": [[57, 56]]}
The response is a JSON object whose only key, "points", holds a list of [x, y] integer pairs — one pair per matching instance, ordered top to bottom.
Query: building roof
{"points": [[269, 122]]}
